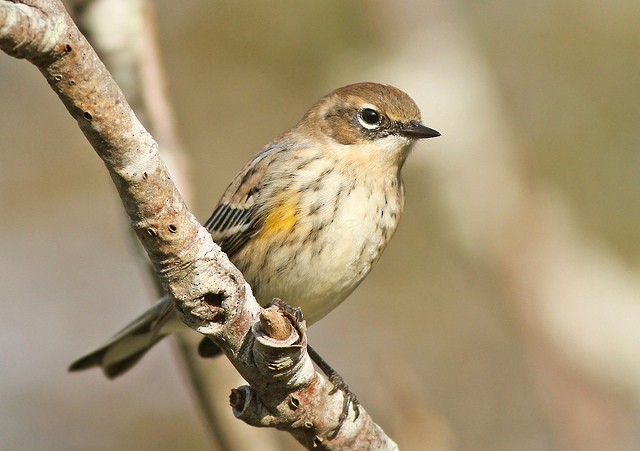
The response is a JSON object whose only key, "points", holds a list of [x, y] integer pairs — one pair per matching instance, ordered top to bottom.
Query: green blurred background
{"points": [[503, 316]]}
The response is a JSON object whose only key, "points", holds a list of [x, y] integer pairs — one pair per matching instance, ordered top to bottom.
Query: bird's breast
{"points": [[319, 241]]}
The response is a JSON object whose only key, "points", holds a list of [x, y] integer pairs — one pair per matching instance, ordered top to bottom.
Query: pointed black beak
{"points": [[416, 130]]}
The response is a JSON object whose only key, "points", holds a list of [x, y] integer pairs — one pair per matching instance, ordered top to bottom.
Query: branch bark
{"points": [[123, 34], [209, 293]]}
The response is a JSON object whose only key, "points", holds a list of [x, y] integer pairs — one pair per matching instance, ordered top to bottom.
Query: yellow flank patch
{"points": [[280, 220]]}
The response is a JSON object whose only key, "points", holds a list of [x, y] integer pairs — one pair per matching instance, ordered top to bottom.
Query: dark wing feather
{"points": [[238, 216], [231, 227]]}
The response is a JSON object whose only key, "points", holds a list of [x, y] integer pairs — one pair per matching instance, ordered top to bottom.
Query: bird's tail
{"points": [[126, 347]]}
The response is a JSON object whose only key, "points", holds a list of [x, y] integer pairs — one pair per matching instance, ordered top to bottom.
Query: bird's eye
{"points": [[369, 118]]}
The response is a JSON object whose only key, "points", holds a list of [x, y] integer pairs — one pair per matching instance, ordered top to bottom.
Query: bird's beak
{"points": [[416, 130]]}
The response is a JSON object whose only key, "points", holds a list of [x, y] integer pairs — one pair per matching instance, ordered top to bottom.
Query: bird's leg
{"points": [[294, 313], [208, 349], [338, 382], [350, 399]]}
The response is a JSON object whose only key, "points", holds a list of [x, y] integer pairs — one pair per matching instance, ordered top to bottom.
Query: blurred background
{"points": [[505, 315]]}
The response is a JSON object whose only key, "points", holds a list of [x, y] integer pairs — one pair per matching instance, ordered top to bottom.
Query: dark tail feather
{"points": [[128, 346], [113, 369]]}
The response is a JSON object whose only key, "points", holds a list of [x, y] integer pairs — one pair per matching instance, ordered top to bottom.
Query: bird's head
{"points": [[367, 119]]}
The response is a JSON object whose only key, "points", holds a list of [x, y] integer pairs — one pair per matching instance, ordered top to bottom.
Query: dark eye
{"points": [[369, 118]]}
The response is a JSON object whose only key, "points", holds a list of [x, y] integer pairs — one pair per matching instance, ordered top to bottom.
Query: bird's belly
{"points": [[327, 259], [322, 276]]}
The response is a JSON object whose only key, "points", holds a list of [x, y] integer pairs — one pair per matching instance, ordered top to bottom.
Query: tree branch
{"points": [[123, 34], [209, 293]]}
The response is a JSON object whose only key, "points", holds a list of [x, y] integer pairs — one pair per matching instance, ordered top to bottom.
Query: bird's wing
{"points": [[239, 214], [231, 226]]}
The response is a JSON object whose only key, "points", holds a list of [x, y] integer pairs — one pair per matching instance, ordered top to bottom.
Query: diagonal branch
{"points": [[123, 34], [209, 293]]}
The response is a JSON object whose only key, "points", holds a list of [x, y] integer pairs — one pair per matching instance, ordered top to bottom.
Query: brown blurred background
{"points": [[505, 315]]}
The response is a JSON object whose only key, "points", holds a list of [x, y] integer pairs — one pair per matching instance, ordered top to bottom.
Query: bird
{"points": [[308, 217]]}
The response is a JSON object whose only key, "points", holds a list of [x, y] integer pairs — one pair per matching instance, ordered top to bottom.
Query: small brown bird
{"points": [[308, 217]]}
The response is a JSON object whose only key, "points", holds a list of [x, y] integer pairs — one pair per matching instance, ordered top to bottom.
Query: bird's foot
{"points": [[350, 399]]}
